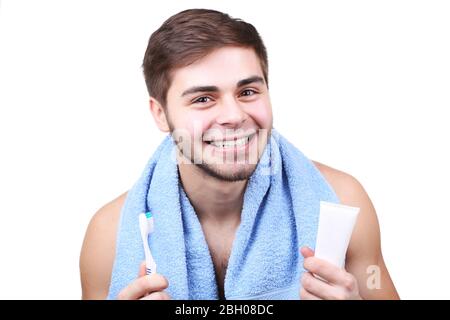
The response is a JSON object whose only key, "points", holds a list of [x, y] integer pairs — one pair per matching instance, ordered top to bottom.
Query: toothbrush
{"points": [[146, 226]]}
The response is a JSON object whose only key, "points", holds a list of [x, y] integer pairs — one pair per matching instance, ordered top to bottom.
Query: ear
{"points": [[159, 115]]}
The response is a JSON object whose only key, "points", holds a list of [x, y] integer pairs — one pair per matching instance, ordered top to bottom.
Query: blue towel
{"points": [[280, 214]]}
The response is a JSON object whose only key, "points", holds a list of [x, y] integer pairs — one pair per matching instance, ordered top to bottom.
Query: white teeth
{"points": [[230, 143]]}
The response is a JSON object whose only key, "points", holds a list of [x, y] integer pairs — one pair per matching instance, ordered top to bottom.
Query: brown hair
{"points": [[190, 35]]}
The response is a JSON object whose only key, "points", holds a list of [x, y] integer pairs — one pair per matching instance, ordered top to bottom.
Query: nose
{"points": [[231, 113]]}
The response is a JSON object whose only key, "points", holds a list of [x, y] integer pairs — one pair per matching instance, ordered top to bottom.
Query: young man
{"points": [[207, 75]]}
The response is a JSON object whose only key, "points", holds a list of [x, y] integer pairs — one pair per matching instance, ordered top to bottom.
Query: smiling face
{"points": [[219, 113]]}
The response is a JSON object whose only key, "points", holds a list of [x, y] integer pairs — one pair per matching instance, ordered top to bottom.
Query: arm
{"points": [[98, 250], [363, 255], [97, 259]]}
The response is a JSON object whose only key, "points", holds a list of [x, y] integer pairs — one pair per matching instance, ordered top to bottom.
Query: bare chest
{"points": [[220, 243]]}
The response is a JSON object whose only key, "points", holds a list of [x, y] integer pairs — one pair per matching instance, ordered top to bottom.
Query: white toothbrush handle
{"points": [[146, 228], [150, 265]]}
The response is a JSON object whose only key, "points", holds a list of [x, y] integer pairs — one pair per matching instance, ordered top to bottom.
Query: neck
{"points": [[215, 201]]}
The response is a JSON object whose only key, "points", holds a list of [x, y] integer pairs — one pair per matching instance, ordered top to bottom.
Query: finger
{"points": [[306, 252], [142, 269], [326, 270], [142, 286], [318, 288], [160, 295], [305, 295]]}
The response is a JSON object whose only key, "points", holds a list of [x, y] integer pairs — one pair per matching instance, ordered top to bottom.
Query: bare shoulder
{"points": [[347, 187], [98, 250]]}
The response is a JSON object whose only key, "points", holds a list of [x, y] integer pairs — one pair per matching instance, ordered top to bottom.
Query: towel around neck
{"points": [[279, 215]]}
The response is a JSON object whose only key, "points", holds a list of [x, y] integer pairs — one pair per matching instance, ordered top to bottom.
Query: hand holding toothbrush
{"points": [[149, 284], [146, 287]]}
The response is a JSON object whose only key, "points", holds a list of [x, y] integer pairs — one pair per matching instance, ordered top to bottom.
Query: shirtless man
{"points": [[225, 87]]}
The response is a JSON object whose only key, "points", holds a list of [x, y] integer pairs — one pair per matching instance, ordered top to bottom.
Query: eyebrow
{"points": [[240, 83]]}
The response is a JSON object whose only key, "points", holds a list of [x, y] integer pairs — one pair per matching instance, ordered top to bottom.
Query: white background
{"points": [[362, 86]]}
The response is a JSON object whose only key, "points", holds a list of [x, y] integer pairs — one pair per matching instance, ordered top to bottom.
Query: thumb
{"points": [[307, 252], [142, 269]]}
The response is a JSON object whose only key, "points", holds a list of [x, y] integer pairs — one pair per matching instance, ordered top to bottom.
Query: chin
{"points": [[229, 173]]}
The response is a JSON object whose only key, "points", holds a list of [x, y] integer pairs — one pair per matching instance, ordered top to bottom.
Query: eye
{"points": [[248, 92], [203, 99]]}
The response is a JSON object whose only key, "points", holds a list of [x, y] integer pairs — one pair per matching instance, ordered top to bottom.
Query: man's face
{"points": [[219, 112]]}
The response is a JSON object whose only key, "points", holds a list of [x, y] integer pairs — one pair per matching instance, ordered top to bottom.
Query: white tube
{"points": [[336, 222]]}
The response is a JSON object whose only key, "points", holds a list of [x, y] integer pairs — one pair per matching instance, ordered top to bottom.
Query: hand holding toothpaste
{"points": [[327, 278], [338, 284]]}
